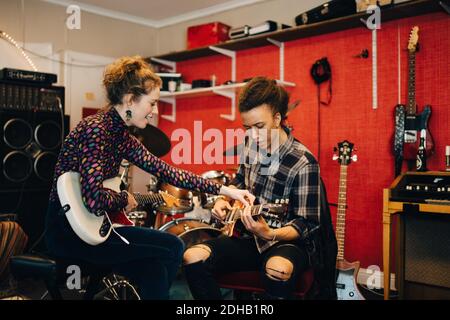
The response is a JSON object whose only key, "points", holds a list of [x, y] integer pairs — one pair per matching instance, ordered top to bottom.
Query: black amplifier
{"points": [[27, 76], [30, 97], [428, 187]]}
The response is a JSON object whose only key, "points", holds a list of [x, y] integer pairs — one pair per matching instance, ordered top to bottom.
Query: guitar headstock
{"points": [[413, 39], [345, 150], [170, 200], [275, 211]]}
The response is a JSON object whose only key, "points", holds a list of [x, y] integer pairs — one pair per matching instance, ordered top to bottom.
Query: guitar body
{"points": [[413, 125], [89, 227], [229, 228], [347, 273]]}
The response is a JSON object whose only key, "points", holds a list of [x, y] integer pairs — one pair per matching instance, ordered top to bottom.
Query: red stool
{"points": [[250, 281]]}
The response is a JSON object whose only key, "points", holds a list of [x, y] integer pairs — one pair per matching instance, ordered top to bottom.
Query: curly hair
{"points": [[129, 75], [262, 90]]}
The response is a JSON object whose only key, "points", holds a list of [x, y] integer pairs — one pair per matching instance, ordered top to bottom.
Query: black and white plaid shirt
{"points": [[292, 173]]}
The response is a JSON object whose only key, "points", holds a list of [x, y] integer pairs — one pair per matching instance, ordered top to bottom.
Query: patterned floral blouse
{"points": [[96, 147]]}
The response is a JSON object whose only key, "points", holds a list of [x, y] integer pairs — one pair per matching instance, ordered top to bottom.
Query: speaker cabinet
{"points": [[30, 141], [30, 144], [424, 256]]}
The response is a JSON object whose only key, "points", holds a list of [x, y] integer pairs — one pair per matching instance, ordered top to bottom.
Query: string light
{"points": [[10, 39]]}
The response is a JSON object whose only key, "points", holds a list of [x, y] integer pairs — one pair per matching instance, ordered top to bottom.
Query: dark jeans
{"points": [[237, 254], [151, 260]]}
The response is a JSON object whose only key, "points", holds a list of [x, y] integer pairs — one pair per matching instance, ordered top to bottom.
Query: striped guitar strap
{"points": [[399, 137]]}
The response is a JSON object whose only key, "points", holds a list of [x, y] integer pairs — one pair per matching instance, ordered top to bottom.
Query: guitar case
{"points": [[329, 10], [325, 239]]}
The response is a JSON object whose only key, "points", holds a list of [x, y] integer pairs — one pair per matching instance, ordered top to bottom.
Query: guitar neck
{"points": [[411, 108], [145, 199], [341, 211], [235, 214]]}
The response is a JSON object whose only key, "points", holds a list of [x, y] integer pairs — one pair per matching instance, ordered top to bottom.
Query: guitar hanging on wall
{"points": [[409, 123], [347, 272]]}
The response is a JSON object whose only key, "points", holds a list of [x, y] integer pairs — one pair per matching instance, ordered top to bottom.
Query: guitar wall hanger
{"points": [[417, 48], [364, 54]]}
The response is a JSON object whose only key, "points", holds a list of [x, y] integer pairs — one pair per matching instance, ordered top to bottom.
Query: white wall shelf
{"points": [[399, 11], [278, 38], [228, 91], [198, 92]]}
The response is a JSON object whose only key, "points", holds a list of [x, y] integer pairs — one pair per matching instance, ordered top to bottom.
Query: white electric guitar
{"points": [[92, 228]]}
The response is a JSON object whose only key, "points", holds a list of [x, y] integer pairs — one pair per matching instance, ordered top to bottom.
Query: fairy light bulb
{"points": [[10, 39]]}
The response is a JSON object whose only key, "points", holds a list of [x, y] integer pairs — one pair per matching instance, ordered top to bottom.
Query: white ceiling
{"points": [[155, 13]]}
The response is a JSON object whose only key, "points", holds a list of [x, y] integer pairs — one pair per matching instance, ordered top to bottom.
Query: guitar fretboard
{"points": [[411, 109], [144, 199], [235, 214], [340, 219]]}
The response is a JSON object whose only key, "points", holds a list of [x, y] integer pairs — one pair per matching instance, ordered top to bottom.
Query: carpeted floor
{"points": [[35, 290]]}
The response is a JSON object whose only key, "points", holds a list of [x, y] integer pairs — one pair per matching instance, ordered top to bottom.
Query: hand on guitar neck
{"points": [[228, 215], [252, 217]]}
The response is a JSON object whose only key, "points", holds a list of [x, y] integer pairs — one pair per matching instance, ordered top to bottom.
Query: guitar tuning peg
{"points": [[335, 157], [354, 158], [277, 201], [282, 201], [286, 201]]}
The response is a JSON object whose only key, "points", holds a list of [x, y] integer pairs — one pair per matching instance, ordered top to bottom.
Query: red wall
{"points": [[349, 116]]}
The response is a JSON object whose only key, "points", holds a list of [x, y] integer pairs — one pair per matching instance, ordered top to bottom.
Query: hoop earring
{"points": [[128, 115]]}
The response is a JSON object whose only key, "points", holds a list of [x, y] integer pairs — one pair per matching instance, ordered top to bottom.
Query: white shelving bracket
{"points": [[281, 46], [232, 55], [171, 64], [231, 94], [173, 102]]}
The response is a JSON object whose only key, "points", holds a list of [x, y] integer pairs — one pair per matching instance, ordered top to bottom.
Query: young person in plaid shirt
{"points": [[281, 254]]}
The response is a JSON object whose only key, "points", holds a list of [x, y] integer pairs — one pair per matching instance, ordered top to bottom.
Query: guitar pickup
{"points": [[410, 136], [340, 286]]}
